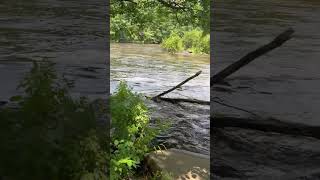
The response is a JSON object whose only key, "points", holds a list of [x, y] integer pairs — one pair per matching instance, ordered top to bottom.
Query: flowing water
{"points": [[70, 33], [150, 70], [285, 83]]}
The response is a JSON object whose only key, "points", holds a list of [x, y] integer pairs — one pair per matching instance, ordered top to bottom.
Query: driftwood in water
{"points": [[278, 41], [177, 86], [177, 100], [267, 125]]}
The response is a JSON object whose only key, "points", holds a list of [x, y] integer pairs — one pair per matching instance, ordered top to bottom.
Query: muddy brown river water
{"points": [[150, 70]]}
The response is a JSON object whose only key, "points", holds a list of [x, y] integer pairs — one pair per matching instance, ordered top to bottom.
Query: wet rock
{"points": [[180, 164]]}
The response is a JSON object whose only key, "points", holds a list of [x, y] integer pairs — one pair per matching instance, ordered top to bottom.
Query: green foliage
{"points": [[151, 21], [193, 41], [196, 42], [173, 43], [205, 44], [131, 133], [50, 135]]}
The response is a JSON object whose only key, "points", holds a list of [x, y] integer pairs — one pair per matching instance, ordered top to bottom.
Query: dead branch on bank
{"points": [[277, 42]]}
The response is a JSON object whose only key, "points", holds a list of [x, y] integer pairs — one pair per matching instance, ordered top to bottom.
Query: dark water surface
{"points": [[70, 33], [284, 83]]}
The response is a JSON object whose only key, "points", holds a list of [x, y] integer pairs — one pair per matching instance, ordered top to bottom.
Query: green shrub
{"points": [[190, 39], [193, 41], [196, 42], [173, 43], [205, 44], [131, 133]]}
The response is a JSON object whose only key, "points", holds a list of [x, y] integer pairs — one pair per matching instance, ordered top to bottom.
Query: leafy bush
{"points": [[192, 38], [193, 41], [196, 42], [173, 43], [205, 44], [131, 133], [50, 135]]}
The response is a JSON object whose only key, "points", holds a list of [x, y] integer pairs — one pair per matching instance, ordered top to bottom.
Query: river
{"points": [[150, 70]]}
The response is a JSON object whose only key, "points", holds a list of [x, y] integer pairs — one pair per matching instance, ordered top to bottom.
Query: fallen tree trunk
{"points": [[278, 41], [177, 86], [267, 125]]}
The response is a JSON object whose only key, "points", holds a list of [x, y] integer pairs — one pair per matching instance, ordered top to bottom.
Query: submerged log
{"points": [[277, 42], [178, 100]]}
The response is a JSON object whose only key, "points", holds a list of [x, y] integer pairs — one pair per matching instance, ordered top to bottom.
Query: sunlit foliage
{"points": [[151, 21]]}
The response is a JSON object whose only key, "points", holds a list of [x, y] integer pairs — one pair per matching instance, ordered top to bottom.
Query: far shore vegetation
{"points": [[182, 26]]}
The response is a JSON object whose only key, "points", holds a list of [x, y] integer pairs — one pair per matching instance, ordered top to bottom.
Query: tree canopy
{"points": [[152, 20]]}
